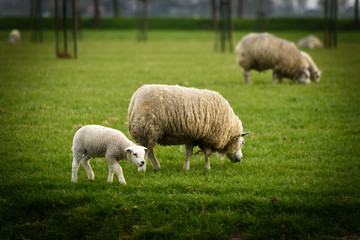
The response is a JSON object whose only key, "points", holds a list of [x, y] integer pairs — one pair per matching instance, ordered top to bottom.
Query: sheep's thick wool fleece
{"points": [[262, 51], [173, 115]]}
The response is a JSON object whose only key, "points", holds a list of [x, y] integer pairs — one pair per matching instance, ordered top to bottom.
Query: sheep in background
{"points": [[14, 36], [310, 41], [263, 51], [315, 73], [174, 115], [93, 141]]}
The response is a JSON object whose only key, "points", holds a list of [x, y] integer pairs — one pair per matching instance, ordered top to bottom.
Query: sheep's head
{"points": [[304, 76], [315, 76], [136, 155], [237, 155]]}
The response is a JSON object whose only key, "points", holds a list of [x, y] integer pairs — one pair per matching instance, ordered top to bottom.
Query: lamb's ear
{"points": [[245, 133], [144, 148], [128, 149]]}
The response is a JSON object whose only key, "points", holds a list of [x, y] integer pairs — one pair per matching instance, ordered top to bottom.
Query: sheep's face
{"points": [[304, 76], [315, 76], [136, 155], [237, 155]]}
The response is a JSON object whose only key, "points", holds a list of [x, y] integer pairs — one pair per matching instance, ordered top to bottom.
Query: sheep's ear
{"points": [[245, 133], [144, 148], [128, 149]]}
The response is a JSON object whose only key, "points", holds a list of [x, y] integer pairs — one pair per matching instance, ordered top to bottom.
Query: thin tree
{"points": [[116, 8], [240, 8], [96, 11], [356, 12]]}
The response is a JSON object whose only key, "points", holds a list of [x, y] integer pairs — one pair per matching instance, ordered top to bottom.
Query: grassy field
{"points": [[299, 179]]}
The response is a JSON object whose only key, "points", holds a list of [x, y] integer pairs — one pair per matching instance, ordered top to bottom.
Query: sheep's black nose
{"points": [[142, 162]]}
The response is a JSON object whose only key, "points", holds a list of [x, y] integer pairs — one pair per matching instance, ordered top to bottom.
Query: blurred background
{"points": [[181, 8]]}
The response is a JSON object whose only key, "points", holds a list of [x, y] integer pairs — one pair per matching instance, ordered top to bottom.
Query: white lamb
{"points": [[14, 36], [263, 51], [93, 141]]}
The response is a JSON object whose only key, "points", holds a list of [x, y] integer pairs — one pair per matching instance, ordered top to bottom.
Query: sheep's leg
{"points": [[247, 76], [276, 76], [280, 79], [189, 151], [207, 153], [86, 163], [155, 163], [114, 166], [75, 167]]}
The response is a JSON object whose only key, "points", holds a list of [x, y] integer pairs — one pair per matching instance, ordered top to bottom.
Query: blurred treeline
{"points": [[271, 24]]}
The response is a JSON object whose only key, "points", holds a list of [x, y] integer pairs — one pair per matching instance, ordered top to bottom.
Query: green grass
{"points": [[299, 177]]}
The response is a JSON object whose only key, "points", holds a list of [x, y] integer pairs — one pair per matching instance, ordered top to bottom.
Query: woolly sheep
{"points": [[14, 36], [310, 42], [262, 51], [313, 69], [174, 115], [93, 141]]}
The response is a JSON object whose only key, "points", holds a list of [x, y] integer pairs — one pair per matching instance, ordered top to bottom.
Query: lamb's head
{"points": [[303, 76], [136, 155], [237, 155]]}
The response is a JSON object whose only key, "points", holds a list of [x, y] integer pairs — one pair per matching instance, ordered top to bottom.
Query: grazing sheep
{"points": [[14, 36], [310, 42], [263, 51], [313, 69], [174, 115], [93, 141]]}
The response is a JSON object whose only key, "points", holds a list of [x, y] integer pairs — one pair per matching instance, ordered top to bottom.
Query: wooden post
{"points": [[116, 8], [240, 8], [356, 12], [141, 19], [214, 20], [36, 21], [330, 23], [225, 24], [65, 25], [75, 25], [57, 28], [65, 53]]}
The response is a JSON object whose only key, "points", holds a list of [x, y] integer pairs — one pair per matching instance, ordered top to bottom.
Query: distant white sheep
{"points": [[14, 36], [310, 41], [263, 51], [315, 73], [174, 115], [93, 141]]}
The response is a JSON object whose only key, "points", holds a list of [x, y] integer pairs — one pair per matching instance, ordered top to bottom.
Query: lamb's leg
{"points": [[247, 76], [189, 151], [207, 153], [86, 163], [155, 163], [75, 166], [115, 166]]}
